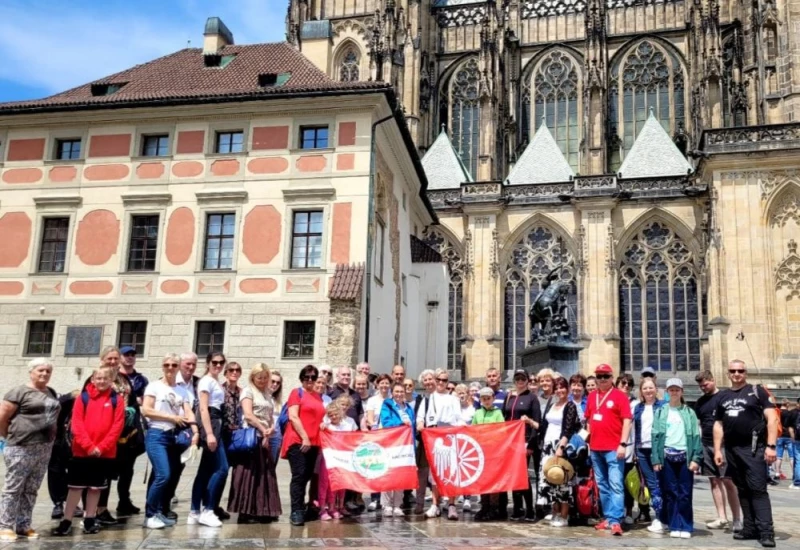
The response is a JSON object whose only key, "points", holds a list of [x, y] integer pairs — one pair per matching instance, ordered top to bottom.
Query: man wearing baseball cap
{"points": [[608, 420]]}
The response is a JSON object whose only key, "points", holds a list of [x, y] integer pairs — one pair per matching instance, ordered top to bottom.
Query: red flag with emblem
{"points": [[477, 460]]}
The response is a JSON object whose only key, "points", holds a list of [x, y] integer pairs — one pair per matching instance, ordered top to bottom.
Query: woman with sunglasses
{"points": [[427, 379], [276, 391], [522, 404], [168, 408], [440, 409], [231, 419], [301, 441], [213, 470]]}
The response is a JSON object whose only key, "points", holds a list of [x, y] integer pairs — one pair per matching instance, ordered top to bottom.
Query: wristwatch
{"points": [[623, 444], [773, 447]]}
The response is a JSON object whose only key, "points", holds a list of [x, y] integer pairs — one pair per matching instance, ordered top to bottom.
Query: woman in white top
{"points": [[465, 400], [168, 409], [440, 409], [643, 416], [373, 420], [213, 470], [254, 486]]}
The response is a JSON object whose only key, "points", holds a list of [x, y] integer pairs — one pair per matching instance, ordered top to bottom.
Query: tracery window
{"points": [[349, 66], [646, 77], [554, 88], [465, 114], [531, 260], [457, 272], [660, 309]]}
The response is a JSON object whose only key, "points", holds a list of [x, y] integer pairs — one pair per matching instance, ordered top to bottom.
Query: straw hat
{"points": [[558, 471]]}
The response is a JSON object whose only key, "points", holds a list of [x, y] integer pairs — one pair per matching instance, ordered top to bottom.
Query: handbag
{"points": [[243, 440]]}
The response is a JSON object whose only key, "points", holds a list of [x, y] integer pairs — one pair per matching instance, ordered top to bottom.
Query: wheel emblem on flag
{"points": [[370, 460], [458, 460]]}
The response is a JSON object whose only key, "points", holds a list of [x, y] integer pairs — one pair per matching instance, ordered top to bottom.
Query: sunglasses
{"points": [[217, 363], [173, 365], [234, 370], [736, 371], [603, 376], [312, 378], [442, 380], [275, 381], [623, 383], [409, 386]]}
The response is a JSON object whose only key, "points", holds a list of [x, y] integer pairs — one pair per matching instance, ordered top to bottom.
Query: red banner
{"points": [[477, 460], [370, 462]]}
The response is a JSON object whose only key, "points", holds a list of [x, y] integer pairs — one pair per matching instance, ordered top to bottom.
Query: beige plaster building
{"points": [[650, 147], [216, 198]]}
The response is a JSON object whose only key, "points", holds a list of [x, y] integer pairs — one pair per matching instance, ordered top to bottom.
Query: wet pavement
{"points": [[370, 531]]}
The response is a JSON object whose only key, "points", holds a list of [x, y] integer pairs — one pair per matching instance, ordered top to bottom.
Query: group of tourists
{"points": [[596, 447]]}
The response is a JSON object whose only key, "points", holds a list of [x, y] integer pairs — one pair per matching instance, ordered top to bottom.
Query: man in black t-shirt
{"points": [[747, 424], [792, 427], [721, 484]]}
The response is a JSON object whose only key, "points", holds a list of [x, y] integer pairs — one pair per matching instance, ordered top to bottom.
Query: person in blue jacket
{"points": [[395, 412]]}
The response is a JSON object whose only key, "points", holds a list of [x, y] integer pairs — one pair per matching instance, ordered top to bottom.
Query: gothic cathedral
{"points": [[647, 150]]}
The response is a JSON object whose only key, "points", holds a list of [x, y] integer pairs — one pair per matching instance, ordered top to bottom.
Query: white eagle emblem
{"points": [[458, 459]]}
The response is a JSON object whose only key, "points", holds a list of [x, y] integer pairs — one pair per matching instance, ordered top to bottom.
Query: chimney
{"points": [[216, 36]]}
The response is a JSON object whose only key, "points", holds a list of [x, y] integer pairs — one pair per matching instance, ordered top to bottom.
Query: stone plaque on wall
{"points": [[83, 340]]}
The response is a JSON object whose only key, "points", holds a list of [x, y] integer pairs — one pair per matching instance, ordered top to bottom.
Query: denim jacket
{"points": [[637, 419]]}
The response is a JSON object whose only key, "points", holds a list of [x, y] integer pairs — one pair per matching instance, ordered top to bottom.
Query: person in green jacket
{"points": [[676, 456], [492, 504]]}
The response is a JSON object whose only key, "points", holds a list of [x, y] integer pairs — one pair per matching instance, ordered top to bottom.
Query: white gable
{"points": [[654, 154], [541, 162], [442, 165]]}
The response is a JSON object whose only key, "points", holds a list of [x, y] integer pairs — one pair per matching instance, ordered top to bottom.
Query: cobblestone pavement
{"points": [[392, 533]]}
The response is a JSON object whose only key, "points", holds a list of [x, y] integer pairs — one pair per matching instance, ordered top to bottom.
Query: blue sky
{"points": [[48, 46]]}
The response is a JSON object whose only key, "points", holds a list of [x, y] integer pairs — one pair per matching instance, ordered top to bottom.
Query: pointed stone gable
{"points": [[654, 154], [541, 162], [442, 165]]}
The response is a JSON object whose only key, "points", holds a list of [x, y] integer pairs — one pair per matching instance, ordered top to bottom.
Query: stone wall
{"points": [[344, 332]]}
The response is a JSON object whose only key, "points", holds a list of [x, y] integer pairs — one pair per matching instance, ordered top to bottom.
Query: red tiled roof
{"points": [[183, 77], [347, 282]]}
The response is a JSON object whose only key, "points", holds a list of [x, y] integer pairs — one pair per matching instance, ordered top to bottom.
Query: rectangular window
{"points": [[313, 137], [230, 142], [155, 146], [68, 149], [220, 230], [307, 239], [144, 243], [380, 248], [53, 252], [132, 333], [209, 336], [40, 337], [298, 340]]}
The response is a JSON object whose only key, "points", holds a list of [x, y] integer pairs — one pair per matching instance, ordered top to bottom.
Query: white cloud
{"points": [[59, 45]]}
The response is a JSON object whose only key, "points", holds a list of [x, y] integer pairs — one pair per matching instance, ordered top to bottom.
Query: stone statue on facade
{"points": [[548, 313]]}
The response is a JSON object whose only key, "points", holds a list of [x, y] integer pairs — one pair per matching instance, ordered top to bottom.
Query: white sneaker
{"points": [[794, 487], [460, 500], [372, 506], [467, 507], [433, 511], [387, 512], [398, 513], [549, 517], [193, 518], [209, 519], [628, 520], [558, 521], [154, 523], [718, 523], [738, 526], [655, 527], [674, 534], [686, 535]]}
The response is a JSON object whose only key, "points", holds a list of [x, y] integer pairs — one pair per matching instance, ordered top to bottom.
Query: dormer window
{"points": [[217, 61], [273, 80], [106, 88]]}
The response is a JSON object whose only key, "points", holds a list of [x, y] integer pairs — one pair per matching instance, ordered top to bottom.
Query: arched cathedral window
{"points": [[349, 66], [647, 76], [551, 94], [465, 114], [531, 260], [457, 273], [660, 310]]}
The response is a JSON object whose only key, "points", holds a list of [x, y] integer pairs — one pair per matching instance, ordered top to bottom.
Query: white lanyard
{"points": [[597, 398]]}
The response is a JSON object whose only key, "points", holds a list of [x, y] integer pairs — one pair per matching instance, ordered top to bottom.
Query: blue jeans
{"points": [[275, 441], [785, 445], [165, 458], [797, 463], [608, 472], [210, 479], [651, 481], [677, 481]]}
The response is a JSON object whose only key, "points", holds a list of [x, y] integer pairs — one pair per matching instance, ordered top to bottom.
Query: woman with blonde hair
{"points": [[254, 488]]}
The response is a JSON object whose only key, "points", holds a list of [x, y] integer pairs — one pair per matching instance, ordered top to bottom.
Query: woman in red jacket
{"points": [[98, 417]]}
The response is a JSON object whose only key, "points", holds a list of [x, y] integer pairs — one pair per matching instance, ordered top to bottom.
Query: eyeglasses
{"points": [[217, 363], [171, 365], [235, 370], [736, 371], [603, 376], [312, 378], [442, 380], [274, 381], [408, 385]]}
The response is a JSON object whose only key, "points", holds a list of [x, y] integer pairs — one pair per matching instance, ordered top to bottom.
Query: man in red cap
{"points": [[608, 419]]}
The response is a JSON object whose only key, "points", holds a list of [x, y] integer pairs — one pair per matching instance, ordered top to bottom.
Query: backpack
{"points": [[772, 400], [85, 401], [283, 418], [587, 497]]}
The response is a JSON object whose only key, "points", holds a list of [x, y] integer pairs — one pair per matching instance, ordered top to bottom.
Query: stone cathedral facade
{"points": [[648, 149]]}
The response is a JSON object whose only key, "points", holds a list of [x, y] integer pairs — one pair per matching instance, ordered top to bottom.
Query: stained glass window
{"points": [[349, 66], [646, 77], [554, 89], [465, 114], [531, 260], [456, 270], [659, 303]]}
